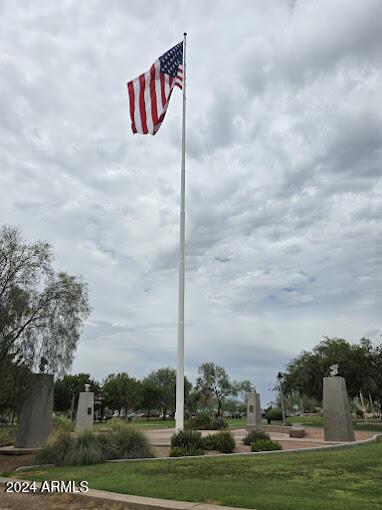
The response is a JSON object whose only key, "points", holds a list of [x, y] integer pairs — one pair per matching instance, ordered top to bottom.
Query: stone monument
{"points": [[253, 409], [85, 410], [337, 419], [35, 422]]}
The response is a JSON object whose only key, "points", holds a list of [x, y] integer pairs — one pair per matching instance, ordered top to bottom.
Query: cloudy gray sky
{"points": [[284, 153]]}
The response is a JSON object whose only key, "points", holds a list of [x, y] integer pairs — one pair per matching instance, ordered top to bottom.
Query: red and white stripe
{"points": [[149, 95]]}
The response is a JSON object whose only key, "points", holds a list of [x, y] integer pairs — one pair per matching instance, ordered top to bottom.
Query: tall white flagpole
{"points": [[179, 413]]}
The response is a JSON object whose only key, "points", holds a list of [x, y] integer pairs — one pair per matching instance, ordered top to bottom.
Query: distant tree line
{"points": [[360, 364], [155, 394]]}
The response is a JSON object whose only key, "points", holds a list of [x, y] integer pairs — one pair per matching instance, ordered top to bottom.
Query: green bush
{"points": [[274, 413], [201, 421], [206, 422], [60, 423], [116, 423], [219, 423], [254, 435], [191, 439], [222, 441], [131, 443], [264, 445], [108, 446], [89, 448], [55, 449], [83, 450], [179, 451]]}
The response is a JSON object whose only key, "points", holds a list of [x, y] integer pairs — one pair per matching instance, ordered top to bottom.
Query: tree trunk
{"points": [[164, 413], [148, 414]]}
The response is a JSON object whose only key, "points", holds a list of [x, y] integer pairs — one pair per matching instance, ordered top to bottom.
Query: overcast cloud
{"points": [[284, 154]]}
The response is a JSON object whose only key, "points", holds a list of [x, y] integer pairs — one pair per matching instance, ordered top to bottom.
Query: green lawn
{"points": [[233, 423], [151, 424], [168, 424], [334, 480]]}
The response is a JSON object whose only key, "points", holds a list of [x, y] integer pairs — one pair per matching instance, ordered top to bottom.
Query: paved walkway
{"points": [[314, 437]]}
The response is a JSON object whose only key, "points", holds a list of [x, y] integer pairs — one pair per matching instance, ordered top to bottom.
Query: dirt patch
{"points": [[161, 451], [11, 462], [53, 501]]}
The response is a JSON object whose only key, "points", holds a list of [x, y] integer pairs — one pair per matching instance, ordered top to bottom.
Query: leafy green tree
{"points": [[41, 311], [305, 373], [304, 376], [165, 380], [373, 381], [214, 384], [12, 386], [67, 389], [121, 392], [150, 396], [192, 399]]}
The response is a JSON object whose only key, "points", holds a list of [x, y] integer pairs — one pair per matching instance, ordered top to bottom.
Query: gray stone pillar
{"points": [[253, 409], [85, 411], [35, 422], [338, 424]]}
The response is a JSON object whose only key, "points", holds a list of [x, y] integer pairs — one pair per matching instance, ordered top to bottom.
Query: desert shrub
{"points": [[201, 421], [206, 422], [116, 423], [219, 423], [63, 424], [7, 435], [254, 435], [191, 439], [222, 441], [131, 443], [262, 445], [108, 446], [89, 448], [55, 449], [83, 450], [179, 451]]}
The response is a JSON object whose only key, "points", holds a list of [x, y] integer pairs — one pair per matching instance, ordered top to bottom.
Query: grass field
{"points": [[146, 424], [168, 424], [336, 480]]}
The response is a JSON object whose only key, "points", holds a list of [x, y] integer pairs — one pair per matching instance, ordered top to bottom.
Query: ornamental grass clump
{"points": [[202, 421], [205, 421], [61, 423], [116, 423], [219, 423], [254, 435], [191, 439], [222, 441], [131, 443], [265, 445], [108, 446], [88, 448], [55, 449], [83, 450], [179, 451]]}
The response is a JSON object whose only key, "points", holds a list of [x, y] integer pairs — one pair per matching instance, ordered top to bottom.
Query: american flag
{"points": [[150, 93]]}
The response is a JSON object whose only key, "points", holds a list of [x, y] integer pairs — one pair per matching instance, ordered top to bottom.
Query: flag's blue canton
{"points": [[171, 60]]}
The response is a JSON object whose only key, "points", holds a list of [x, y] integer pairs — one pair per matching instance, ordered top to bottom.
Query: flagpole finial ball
{"points": [[184, 33]]}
